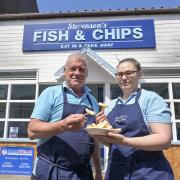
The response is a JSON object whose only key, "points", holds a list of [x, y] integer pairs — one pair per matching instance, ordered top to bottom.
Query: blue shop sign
{"points": [[96, 35], [16, 160]]}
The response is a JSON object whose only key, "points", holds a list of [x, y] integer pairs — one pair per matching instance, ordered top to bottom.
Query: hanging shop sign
{"points": [[96, 35], [16, 160]]}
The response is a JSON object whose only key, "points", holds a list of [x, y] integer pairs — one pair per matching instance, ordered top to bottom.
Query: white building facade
{"points": [[24, 74]]}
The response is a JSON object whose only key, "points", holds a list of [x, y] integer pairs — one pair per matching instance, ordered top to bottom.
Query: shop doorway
{"points": [[97, 91]]}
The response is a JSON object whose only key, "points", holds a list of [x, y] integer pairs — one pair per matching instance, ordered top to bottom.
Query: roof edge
{"points": [[93, 13]]}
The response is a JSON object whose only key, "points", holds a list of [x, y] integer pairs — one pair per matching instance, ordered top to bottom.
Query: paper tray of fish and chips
{"points": [[101, 128]]}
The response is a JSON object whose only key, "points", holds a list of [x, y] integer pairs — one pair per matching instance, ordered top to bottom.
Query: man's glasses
{"points": [[128, 74]]}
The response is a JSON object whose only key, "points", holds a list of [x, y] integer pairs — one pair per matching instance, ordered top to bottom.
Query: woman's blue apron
{"points": [[66, 156], [127, 163]]}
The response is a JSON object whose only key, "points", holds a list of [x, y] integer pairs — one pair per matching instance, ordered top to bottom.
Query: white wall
{"points": [[167, 52]]}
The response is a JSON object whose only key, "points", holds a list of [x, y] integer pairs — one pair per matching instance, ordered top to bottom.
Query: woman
{"points": [[145, 122]]}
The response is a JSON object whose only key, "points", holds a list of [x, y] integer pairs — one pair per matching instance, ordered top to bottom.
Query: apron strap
{"points": [[64, 90], [138, 95], [136, 99], [63, 167]]}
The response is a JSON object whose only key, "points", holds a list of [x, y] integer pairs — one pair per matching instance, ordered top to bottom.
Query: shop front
{"points": [[32, 57]]}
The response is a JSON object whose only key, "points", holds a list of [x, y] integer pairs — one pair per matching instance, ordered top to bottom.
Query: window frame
{"points": [[171, 101], [6, 119]]}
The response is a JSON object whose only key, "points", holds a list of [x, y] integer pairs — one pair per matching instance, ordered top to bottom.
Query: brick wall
{"points": [[173, 155]]}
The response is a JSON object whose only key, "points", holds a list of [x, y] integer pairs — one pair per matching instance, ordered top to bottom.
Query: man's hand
{"points": [[74, 122]]}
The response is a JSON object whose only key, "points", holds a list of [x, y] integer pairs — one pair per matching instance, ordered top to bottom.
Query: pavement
{"points": [[14, 177]]}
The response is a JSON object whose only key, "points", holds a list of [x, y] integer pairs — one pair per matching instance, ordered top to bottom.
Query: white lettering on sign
{"points": [[87, 26], [125, 32], [137, 33], [97, 34], [117, 34], [37, 35], [51, 36], [56, 36], [105, 45]]}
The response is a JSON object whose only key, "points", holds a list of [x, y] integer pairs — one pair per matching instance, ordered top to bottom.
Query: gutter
{"points": [[87, 13]]}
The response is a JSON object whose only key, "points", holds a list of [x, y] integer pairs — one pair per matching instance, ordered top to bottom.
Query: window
{"points": [[44, 86], [159, 88], [97, 91], [115, 91], [17, 100], [16, 105], [178, 131]]}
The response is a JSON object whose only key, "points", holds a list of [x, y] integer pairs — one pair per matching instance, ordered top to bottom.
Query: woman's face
{"points": [[128, 77]]}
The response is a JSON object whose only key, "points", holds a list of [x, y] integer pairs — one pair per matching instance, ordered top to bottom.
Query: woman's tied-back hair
{"points": [[136, 64]]}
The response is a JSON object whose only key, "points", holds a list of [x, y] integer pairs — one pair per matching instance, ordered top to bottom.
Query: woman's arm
{"points": [[159, 139]]}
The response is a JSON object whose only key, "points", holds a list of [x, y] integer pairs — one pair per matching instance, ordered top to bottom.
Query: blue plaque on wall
{"points": [[16, 160]]}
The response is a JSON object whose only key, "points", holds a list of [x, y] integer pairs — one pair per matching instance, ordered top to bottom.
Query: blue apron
{"points": [[66, 156], [127, 163]]}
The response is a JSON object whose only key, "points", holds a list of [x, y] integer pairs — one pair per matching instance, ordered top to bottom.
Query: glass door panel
{"points": [[97, 91]]}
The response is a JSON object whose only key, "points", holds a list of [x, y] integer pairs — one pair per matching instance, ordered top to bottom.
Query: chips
{"points": [[102, 105], [88, 111], [92, 113], [104, 124]]}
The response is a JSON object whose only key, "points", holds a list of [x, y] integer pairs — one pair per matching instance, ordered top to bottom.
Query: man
{"points": [[64, 147]]}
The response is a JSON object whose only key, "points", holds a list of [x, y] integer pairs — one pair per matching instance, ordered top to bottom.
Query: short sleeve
{"points": [[43, 106], [157, 109]]}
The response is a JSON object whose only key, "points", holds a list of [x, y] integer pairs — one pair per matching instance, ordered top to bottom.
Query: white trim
{"points": [[92, 56], [107, 99]]}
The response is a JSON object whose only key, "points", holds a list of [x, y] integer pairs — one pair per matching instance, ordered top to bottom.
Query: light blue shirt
{"points": [[49, 106], [153, 106]]}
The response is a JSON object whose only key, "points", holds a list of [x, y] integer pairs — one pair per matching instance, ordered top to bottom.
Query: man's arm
{"points": [[42, 129]]}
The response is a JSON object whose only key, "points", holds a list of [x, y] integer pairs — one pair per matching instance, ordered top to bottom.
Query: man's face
{"points": [[75, 73]]}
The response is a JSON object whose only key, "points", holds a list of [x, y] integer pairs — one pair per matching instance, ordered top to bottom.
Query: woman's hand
{"points": [[100, 117], [110, 138], [158, 140]]}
